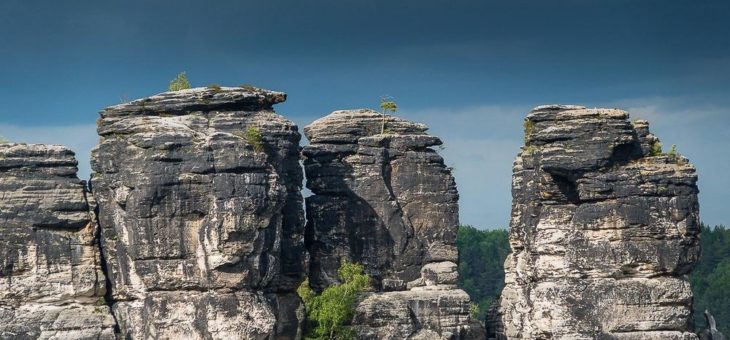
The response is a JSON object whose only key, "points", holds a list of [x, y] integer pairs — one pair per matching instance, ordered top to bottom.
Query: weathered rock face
{"points": [[384, 200], [388, 202], [200, 207], [603, 232], [51, 280], [439, 310], [711, 332]]}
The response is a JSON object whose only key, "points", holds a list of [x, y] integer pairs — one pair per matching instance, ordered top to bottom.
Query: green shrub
{"points": [[179, 83], [215, 87], [529, 128], [255, 138], [656, 148], [530, 150], [673, 152], [474, 310], [329, 313]]}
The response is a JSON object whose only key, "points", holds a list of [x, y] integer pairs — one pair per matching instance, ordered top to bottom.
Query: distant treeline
{"points": [[481, 260], [481, 272], [711, 278]]}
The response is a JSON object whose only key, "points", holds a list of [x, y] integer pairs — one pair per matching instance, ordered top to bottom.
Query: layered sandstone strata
{"points": [[384, 198], [200, 207], [604, 230], [51, 280]]}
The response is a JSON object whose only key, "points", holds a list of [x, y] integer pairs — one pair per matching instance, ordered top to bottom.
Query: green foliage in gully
{"points": [[329, 313]]}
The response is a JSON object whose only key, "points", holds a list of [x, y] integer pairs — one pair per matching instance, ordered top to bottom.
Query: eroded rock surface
{"points": [[387, 201], [200, 207], [604, 230], [51, 280]]}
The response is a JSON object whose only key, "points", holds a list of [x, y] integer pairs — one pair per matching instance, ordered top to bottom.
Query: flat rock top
{"points": [[199, 99], [556, 107], [571, 112], [350, 125], [22, 149], [35, 153], [37, 159]]}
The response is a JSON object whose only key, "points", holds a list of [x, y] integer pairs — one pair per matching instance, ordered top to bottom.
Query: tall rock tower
{"points": [[385, 199], [200, 207], [604, 230], [51, 280]]}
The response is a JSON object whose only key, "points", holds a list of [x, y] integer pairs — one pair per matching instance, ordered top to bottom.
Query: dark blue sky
{"points": [[470, 69]]}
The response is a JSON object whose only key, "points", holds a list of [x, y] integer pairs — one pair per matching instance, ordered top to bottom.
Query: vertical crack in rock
{"points": [[389, 202], [200, 208], [603, 232], [51, 282]]}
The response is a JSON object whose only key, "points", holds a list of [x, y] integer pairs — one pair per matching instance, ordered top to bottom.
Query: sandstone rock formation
{"points": [[387, 201], [200, 207], [604, 230], [51, 280], [711, 332]]}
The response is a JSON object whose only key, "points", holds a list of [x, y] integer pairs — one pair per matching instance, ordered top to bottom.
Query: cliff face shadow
{"points": [[343, 225]]}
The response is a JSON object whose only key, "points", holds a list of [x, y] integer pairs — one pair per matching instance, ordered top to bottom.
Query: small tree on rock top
{"points": [[179, 83], [387, 105]]}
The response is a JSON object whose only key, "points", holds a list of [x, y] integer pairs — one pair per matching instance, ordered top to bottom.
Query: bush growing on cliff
{"points": [[179, 83], [529, 129], [255, 138], [656, 148], [673, 152], [329, 312]]}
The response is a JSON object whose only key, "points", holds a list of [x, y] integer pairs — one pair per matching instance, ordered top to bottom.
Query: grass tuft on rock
{"points": [[255, 138]]}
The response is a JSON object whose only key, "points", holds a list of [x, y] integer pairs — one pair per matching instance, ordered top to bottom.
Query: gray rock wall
{"points": [[386, 201], [202, 221], [201, 226], [603, 232], [51, 280]]}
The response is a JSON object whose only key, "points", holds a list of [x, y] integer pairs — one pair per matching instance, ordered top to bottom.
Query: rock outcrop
{"points": [[386, 200], [200, 207], [604, 230], [51, 280], [711, 332]]}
